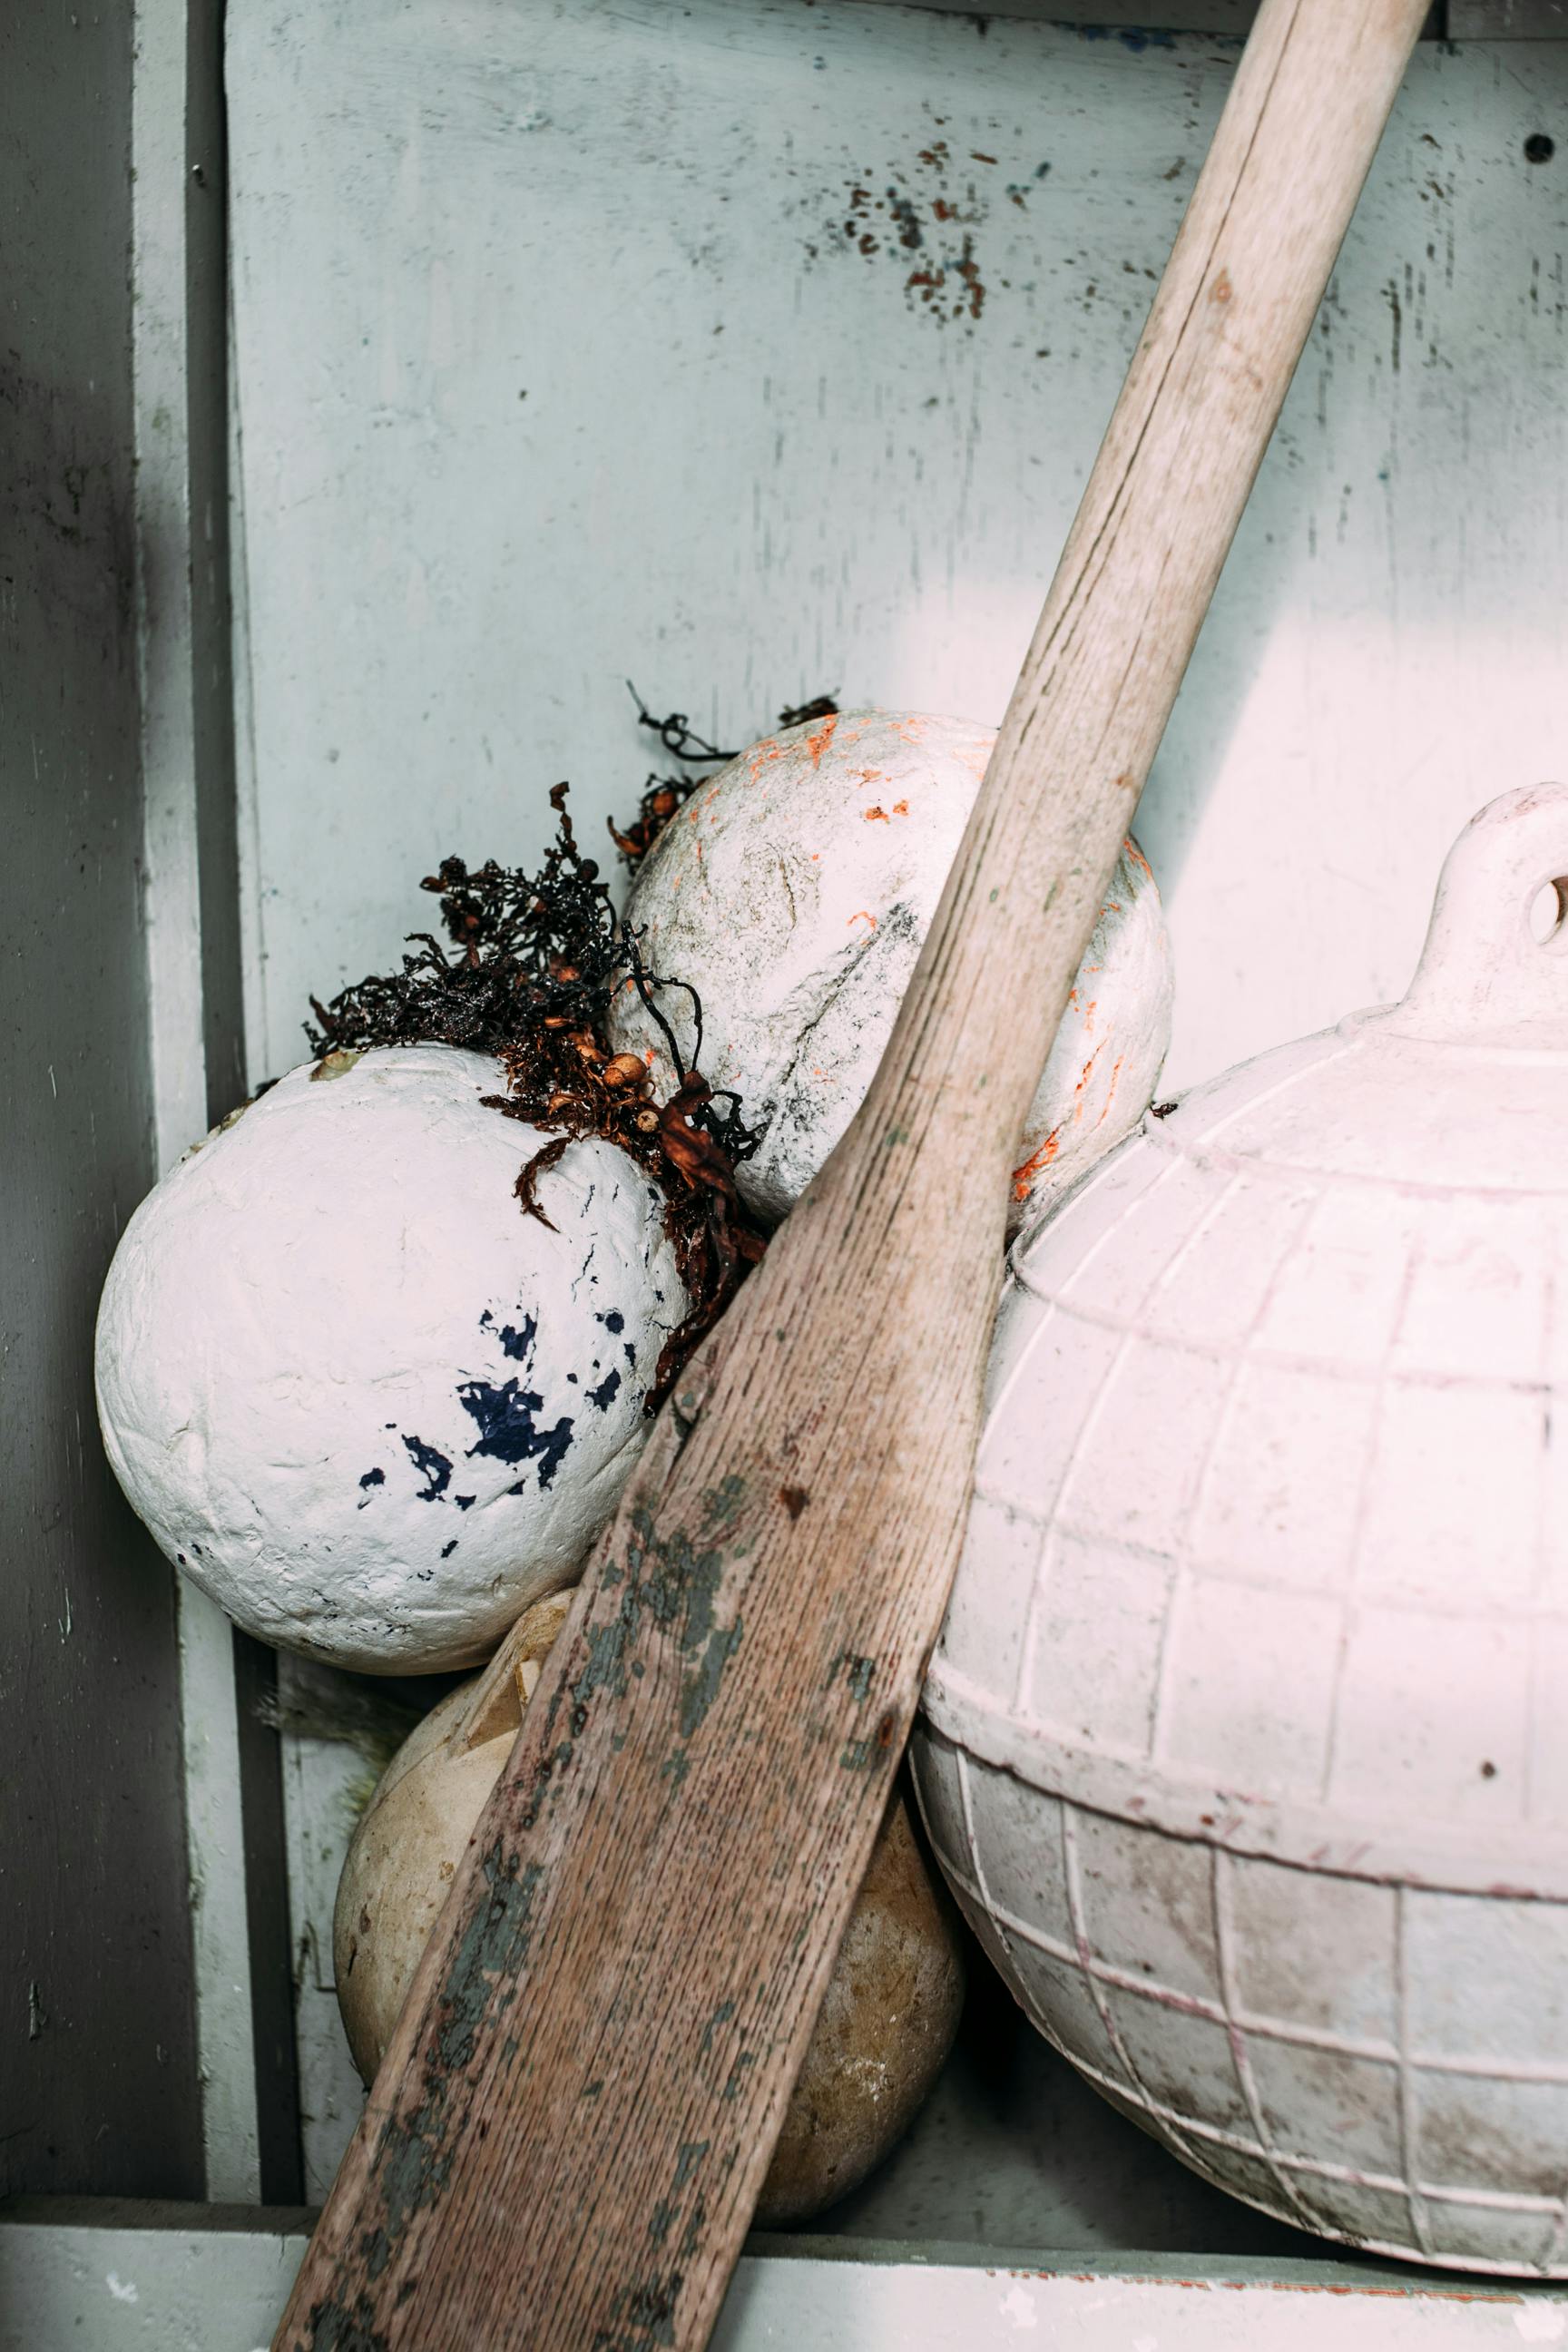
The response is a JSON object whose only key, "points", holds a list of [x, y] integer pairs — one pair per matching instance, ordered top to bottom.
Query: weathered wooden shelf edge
{"points": [[1453, 20], [121, 2274]]}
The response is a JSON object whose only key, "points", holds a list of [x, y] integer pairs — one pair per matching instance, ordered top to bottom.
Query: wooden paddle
{"points": [[564, 2144]]}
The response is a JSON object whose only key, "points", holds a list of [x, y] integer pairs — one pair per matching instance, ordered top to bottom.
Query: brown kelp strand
{"points": [[662, 795]]}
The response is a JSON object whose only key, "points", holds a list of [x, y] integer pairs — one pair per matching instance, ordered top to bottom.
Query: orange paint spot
{"points": [[818, 741], [762, 755], [900, 808], [876, 816], [1131, 850], [816, 856], [862, 916], [1025, 1176]]}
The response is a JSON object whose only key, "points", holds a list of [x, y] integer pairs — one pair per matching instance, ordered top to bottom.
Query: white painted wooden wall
{"points": [[554, 364]]}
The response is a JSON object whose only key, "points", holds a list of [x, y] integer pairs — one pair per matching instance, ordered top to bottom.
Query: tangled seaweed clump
{"points": [[533, 964], [528, 979]]}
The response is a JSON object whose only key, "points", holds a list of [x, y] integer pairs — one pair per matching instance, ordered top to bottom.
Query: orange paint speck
{"points": [[818, 741], [762, 755], [900, 808], [876, 816], [862, 916], [1025, 1176]]}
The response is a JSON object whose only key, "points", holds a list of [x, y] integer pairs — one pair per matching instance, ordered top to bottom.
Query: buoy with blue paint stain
{"points": [[360, 1397]]}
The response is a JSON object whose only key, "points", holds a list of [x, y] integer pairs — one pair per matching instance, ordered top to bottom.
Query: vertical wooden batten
{"points": [[99, 2082], [250, 2132]]}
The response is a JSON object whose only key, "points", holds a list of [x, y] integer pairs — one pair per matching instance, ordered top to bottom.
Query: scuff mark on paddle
{"points": [[672, 1583], [859, 1673], [414, 2156]]}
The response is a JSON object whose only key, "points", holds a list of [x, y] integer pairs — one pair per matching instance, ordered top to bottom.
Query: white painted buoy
{"points": [[793, 892], [357, 1395], [1244, 1744], [892, 2004]]}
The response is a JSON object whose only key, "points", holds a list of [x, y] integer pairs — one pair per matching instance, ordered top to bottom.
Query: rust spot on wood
{"points": [[794, 1500]]}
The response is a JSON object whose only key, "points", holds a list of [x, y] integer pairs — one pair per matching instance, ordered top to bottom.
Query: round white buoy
{"points": [[793, 892], [357, 1395], [1243, 1745]]}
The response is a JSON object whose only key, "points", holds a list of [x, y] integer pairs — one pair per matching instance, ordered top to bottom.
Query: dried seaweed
{"points": [[662, 795], [533, 964]]}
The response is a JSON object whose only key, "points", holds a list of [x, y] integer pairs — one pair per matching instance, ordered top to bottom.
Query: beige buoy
{"points": [[892, 2004], [884, 2029]]}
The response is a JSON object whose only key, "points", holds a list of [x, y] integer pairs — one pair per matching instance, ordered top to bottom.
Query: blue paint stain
{"points": [[613, 1321], [517, 1343], [605, 1394], [508, 1429], [431, 1465], [374, 1479], [464, 1502], [448, 1549]]}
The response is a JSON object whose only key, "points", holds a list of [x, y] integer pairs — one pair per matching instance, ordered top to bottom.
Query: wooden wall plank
{"points": [[99, 2084]]}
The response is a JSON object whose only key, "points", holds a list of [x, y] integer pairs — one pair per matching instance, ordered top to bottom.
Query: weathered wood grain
{"points": [[564, 2144]]}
